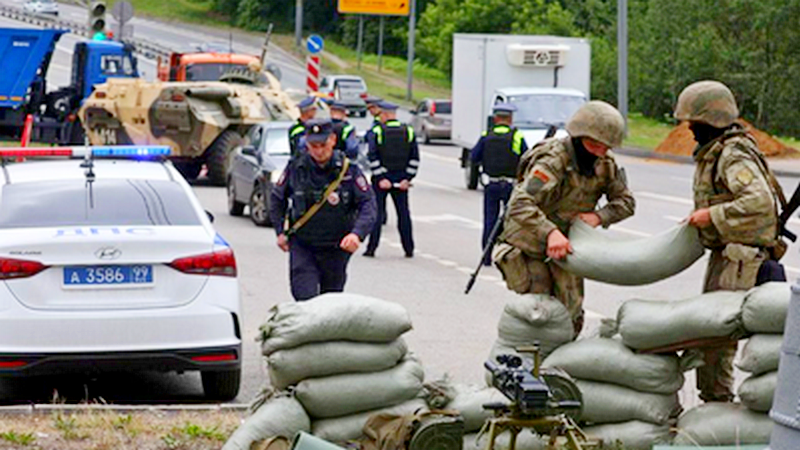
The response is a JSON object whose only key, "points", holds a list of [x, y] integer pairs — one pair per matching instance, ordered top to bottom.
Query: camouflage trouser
{"points": [[524, 274], [715, 378]]}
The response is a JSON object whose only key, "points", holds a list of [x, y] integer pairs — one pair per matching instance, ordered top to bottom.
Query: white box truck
{"points": [[546, 77]]}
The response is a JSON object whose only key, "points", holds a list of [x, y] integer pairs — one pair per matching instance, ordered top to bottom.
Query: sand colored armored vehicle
{"points": [[201, 121]]}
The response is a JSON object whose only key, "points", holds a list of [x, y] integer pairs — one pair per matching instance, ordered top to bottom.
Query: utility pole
{"points": [[298, 24], [412, 26], [360, 39], [380, 44], [622, 59]]}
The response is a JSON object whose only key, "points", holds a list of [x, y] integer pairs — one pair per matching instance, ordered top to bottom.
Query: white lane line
{"points": [[449, 159], [437, 186], [662, 197], [427, 255], [447, 262], [465, 270], [488, 277]]}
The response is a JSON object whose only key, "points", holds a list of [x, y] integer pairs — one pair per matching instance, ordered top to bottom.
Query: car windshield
{"points": [[210, 71], [351, 84], [443, 107], [541, 111], [277, 142], [112, 202]]}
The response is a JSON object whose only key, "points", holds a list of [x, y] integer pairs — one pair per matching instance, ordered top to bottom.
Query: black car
{"points": [[254, 167]]}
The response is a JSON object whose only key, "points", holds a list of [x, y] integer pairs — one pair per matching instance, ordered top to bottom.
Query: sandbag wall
{"points": [[764, 314]]}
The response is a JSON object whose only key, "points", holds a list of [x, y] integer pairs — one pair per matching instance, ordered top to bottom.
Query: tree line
{"points": [[751, 45]]}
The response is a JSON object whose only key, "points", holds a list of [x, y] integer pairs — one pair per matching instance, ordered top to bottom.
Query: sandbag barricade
{"points": [[282, 415], [722, 424]]}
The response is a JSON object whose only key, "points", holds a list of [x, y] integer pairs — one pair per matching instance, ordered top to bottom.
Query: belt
{"points": [[501, 180]]}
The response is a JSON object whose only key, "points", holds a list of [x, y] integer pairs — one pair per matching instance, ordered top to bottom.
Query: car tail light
{"points": [[363, 95], [177, 97], [433, 109], [217, 263], [19, 268], [220, 357], [12, 364]]}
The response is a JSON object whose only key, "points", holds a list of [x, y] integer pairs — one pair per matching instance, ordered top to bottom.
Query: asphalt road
{"points": [[452, 332]]}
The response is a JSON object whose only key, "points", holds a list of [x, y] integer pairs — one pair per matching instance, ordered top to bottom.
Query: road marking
{"points": [[449, 159], [437, 186], [666, 198], [436, 220], [448, 263], [464, 270]]}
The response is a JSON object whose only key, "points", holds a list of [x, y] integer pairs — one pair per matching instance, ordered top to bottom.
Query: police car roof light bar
{"points": [[120, 152]]}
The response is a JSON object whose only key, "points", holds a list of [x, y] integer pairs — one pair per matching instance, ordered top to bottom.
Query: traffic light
{"points": [[97, 17]]}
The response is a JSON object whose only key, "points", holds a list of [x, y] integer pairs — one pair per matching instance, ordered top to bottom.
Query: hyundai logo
{"points": [[108, 253]]}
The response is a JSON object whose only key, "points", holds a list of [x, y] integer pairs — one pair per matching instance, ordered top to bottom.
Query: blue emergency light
{"points": [[118, 151], [131, 151]]}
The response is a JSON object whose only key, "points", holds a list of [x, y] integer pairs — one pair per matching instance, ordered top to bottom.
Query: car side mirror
{"points": [[249, 150], [210, 216]]}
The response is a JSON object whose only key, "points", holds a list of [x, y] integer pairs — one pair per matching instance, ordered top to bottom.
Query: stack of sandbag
{"points": [[527, 319], [652, 324], [343, 357], [627, 397], [279, 415]]}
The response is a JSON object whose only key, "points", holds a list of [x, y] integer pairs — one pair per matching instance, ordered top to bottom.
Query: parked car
{"points": [[41, 7], [348, 89], [431, 119], [254, 167], [112, 265]]}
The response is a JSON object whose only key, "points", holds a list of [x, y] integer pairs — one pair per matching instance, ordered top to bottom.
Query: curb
{"points": [[681, 159], [47, 408]]}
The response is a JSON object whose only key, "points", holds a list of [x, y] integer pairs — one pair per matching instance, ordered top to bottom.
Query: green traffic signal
{"points": [[99, 36]]}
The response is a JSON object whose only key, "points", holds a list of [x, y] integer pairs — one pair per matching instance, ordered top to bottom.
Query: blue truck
{"points": [[26, 55]]}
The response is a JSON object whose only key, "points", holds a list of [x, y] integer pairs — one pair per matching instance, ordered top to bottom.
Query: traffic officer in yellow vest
{"points": [[308, 110], [346, 139], [498, 152], [394, 161], [561, 180], [736, 197]]}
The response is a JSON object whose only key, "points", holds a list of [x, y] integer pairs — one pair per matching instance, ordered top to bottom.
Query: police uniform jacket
{"points": [[296, 131], [346, 139], [499, 151], [393, 152], [732, 180], [551, 192], [350, 209]]}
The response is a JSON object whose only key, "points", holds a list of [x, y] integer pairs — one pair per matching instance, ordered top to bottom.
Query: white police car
{"points": [[111, 264]]}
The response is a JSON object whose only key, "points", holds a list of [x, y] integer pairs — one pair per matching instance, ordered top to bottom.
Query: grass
{"points": [[194, 11], [645, 133]]}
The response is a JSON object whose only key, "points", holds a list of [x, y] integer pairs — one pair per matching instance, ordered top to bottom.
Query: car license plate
{"points": [[111, 275]]}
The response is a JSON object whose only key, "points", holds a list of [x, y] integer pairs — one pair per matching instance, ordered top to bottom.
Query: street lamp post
{"points": [[412, 25]]}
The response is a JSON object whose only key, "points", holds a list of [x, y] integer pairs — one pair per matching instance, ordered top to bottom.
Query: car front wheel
{"points": [[259, 205], [235, 207], [221, 385]]}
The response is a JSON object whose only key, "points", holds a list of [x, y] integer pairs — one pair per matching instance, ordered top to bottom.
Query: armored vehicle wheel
{"points": [[218, 156], [259, 204], [235, 207], [221, 385]]}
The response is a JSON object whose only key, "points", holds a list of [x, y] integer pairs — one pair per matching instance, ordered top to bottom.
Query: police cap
{"points": [[306, 103], [336, 104], [387, 106], [504, 109], [318, 130]]}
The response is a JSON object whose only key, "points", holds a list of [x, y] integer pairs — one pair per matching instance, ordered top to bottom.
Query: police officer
{"points": [[374, 109], [308, 110], [346, 139], [498, 151], [394, 160], [561, 180], [735, 197], [332, 211]]}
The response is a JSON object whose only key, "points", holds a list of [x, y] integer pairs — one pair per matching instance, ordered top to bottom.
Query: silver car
{"points": [[41, 7], [348, 89], [432, 119], [255, 166]]}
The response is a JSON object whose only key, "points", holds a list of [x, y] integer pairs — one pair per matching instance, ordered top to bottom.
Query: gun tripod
{"points": [[562, 431]]}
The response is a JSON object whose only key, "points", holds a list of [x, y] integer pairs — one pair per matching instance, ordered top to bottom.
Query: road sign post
{"points": [[123, 12], [314, 45]]}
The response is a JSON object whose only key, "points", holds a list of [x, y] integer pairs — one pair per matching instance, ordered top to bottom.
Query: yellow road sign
{"points": [[378, 7]]}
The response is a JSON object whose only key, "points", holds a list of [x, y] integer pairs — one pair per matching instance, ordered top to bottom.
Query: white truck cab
{"points": [[546, 77]]}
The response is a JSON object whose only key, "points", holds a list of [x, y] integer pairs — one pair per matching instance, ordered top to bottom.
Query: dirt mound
{"points": [[680, 141]]}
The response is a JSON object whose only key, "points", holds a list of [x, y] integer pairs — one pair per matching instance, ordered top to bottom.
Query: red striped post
{"points": [[312, 82]]}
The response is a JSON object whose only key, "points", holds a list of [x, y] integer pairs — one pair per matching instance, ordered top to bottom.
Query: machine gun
{"points": [[546, 401]]}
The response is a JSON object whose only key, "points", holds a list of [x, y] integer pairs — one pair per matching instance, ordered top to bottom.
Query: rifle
{"points": [[551, 131], [786, 214]]}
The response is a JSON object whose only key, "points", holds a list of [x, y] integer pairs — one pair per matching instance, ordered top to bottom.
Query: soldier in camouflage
{"points": [[560, 180], [735, 198]]}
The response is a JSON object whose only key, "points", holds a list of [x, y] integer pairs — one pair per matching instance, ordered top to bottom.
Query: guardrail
{"points": [[143, 47]]}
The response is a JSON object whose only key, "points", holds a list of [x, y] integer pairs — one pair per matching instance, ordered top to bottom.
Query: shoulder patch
{"points": [[541, 176], [745, 176], [361, 183]]}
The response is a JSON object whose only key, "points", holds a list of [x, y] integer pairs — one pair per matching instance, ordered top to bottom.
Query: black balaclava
{"points": [[705, 133], [584, 159]]}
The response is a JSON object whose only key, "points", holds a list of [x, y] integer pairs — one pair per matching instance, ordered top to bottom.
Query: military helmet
{"points": [[709, 102], [598, 120]]}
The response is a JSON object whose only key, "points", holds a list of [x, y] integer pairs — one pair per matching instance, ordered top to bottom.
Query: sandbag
{"points": [[599, 255], [765, 307], [332, 317], [535, 317], [646, 324], [761, 354], [610, 361], [289, 366], [756, 392], [340, 395], [469, 401], [610, 403], [279, 416], [722, 424], [347, 428], [633, 435], [526, 440]]}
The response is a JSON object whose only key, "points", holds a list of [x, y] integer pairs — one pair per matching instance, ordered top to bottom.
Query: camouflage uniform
{"points": [[733, 181], [549, 195]]}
